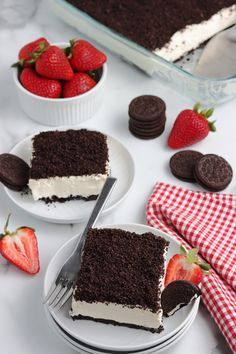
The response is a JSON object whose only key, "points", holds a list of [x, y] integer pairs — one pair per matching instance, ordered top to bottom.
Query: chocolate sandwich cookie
{"points": [[146, 108], [147, 116], [158, 121], [147, 125], [146, 134], [147, 137], [182, 164], [14, 172], [213, 172], [177, 294]]}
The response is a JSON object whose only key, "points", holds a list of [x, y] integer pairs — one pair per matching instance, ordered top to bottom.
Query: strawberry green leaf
{"points": [[72, 42], [42, 46], [67, 51], [18, 64], [196, 107], [209, 112], [203, 113], [212, 126], [6, 224], [2, 235], [182, 250], [192, 256], [204, 266]]}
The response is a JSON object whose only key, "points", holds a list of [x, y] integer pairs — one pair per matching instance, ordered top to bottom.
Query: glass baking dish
{"points": [[178, 75]]}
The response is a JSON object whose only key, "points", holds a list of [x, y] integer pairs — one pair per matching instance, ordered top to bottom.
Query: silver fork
{"points": [[62, 288]]}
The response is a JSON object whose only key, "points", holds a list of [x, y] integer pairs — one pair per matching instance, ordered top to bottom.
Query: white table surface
{"points": [[23, 325]]}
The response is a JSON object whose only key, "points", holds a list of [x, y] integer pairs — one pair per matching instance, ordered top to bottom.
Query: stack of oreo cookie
{"points": [[147, 116], [211, 171]]}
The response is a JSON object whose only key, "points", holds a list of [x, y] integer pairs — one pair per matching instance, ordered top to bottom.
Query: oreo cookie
{"points": [[146, 108], [147, 116], [147, 125], [146, 134], [182, 164], [14, 172], [213, 172], [177, 294]]}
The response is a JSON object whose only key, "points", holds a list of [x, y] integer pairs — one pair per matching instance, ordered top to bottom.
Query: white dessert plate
{"points": [[122, 167], [109, 337], [80, 347]]}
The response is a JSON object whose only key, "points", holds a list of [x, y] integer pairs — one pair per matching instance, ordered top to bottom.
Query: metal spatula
{"points": [[218, 58]]}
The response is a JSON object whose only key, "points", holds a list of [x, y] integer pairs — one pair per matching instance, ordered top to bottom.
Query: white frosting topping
{"points": [[193, 35], [64, 187]]}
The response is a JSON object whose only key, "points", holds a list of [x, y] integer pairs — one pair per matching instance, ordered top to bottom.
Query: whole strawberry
{"points": [[26, 52], [84, 56], [52, 63], [80, 84], [39, 85], [190, 127], [20, 248], [186, 266]]}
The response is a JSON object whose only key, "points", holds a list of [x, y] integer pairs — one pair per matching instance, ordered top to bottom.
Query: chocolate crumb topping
{"points": [[150, 23], [68, 153], [122, 267]]}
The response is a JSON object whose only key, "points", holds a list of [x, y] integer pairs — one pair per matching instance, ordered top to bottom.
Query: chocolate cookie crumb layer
{"points": [[68, 153], [55, 199], [122, 267], [152, 330]]}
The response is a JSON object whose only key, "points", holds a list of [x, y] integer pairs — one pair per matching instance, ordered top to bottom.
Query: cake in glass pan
{"points": [[169, 28], [121, 279]]}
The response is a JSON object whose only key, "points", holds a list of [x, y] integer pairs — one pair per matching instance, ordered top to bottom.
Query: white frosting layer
{"points": [[192, 36], [64, 187], [119, 313]]}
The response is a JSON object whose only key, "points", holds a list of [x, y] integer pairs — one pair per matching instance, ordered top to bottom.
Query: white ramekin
{"points": [[61, 111]]}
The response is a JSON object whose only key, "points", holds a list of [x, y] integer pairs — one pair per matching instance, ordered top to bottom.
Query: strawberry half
{"points": [[26, 52], [84, 56], [80, 84], [39, 85], [190, 127], [20, 248], [185, 266]]}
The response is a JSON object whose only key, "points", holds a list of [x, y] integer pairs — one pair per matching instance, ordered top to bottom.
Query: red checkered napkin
{"points": [[206, 221]]}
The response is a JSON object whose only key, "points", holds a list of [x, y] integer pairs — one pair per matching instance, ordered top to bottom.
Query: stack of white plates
{"points": [[93, 337]]}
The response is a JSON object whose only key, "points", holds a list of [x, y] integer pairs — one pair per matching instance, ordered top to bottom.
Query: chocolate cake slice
{"points": [[169, 28], [69, 164], [121, 279]]}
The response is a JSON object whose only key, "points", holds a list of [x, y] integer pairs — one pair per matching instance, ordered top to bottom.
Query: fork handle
{"points": [[101, 201]]}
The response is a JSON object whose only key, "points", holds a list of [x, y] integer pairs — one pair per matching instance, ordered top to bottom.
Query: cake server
{"points": [[218, 58], [62, 288]]}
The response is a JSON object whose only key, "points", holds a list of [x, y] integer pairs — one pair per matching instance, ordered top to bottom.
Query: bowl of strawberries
{"points": [[61, 83]]}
